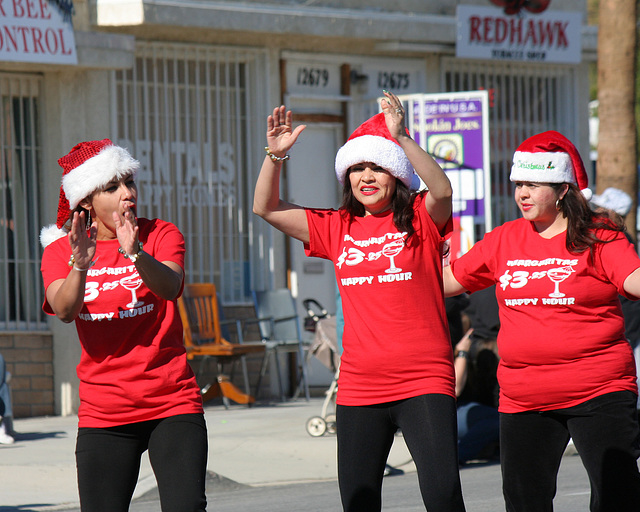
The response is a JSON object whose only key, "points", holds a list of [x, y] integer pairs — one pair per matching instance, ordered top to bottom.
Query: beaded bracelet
{"points": [[275, 158], [132, 257], [72, 264]]}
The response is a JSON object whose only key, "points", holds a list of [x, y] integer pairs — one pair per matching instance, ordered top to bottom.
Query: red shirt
{"points": [[561, 339], [396, 341], [133, 365]]}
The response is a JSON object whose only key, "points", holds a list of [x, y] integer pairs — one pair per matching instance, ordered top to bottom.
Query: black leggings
{"points": [[605, 433], [365, 435], [108, 463]]}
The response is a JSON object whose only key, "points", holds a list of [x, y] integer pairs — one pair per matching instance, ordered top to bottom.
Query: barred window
{"points": [[195, 118], [21, 293]]}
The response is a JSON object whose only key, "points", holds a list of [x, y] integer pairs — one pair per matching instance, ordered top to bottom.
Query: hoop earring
{"points": [[558, 205]]}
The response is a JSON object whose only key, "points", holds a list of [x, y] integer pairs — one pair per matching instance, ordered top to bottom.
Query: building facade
{"points": [[186, 85]]}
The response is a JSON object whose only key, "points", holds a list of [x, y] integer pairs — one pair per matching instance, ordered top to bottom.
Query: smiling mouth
{"points": [[368, 190]]}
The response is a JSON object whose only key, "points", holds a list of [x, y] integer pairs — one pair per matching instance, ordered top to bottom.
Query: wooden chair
{"points": [[203, 339]]}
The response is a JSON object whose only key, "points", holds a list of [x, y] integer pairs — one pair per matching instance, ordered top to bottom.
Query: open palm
{"points": [[280, 134]]}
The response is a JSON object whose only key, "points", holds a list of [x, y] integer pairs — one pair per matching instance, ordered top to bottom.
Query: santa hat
{"points": [[372, 142], [550, 157], [89, 166], [613, 199]]}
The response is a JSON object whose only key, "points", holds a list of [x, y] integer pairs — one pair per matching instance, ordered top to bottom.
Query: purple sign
{"points": [[451, 130]]}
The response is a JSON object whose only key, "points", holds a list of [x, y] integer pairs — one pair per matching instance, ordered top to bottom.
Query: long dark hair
{"points": [[401, 206], [582, 222]]}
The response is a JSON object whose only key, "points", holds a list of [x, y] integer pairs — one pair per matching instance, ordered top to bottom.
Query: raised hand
{"points": [[393, 115], [280, 135], [127, 231], [83, 244]]}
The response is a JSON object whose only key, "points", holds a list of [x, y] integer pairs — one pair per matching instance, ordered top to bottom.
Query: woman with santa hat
{"points": [[386, 242], [117, 277], [566, 370]]}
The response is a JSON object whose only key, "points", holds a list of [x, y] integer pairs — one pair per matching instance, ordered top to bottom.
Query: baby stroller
{"points": [[325, 349]]}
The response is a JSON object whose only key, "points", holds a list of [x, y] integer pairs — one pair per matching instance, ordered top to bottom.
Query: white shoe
{"points": [[6, 438]]}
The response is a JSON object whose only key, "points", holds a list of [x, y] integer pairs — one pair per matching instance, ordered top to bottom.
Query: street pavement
{"points": [[262, 447]]}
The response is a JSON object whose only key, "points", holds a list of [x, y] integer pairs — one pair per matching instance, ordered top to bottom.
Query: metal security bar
{"points": [[524, 99], [194, 117], [21, 290]]}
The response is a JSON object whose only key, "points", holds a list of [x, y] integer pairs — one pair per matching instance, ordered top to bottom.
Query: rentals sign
{"points": [[488, 33]]}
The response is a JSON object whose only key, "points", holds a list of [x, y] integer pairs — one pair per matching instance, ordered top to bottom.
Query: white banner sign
{"points": [[35, 31], [488, 33]]}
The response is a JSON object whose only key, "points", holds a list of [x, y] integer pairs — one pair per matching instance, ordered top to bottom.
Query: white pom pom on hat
{"points": [[372, 142], [549, 157], [88, 167]]}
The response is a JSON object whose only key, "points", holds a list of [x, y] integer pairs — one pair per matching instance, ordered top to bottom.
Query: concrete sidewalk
{"points": [[262, 445]]}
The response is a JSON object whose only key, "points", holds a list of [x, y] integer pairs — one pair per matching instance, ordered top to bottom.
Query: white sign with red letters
{"points": [[35, 31], [488, 33]]}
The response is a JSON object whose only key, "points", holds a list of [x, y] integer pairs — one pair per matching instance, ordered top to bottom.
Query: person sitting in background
{"points": [[476, 364], [6, 412]]}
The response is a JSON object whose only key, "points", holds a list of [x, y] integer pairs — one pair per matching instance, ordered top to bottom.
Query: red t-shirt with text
{"points": [[561, 339], [396, 341], [133, 365]]}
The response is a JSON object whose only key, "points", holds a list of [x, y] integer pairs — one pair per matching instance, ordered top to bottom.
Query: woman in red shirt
{"points": [[118, 279], [396, 369], [566, 370]]}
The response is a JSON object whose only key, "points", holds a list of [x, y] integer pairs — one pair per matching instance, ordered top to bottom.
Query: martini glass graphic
{"points": [[391, 250], [557, 275], [132, 283]]}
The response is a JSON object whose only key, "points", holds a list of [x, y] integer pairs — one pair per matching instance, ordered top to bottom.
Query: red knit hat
{"points": [[372, 142], [550, 157], [88, 167]]}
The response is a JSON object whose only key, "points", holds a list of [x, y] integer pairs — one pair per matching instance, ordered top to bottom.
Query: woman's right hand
{"points": [[280, 134], [83, 244]]}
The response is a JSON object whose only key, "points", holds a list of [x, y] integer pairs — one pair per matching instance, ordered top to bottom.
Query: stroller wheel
{"points": [[330, 420], [316, 426]]}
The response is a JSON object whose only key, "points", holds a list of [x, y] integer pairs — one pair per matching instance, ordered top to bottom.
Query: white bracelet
{"points": [[76, 267]]}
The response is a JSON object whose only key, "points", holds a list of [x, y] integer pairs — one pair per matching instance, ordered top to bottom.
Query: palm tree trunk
{"points": [[617, 141]]}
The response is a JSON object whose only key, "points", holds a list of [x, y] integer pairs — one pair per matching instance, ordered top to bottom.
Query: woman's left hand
{"points": [[393, 115], [127, 231]]}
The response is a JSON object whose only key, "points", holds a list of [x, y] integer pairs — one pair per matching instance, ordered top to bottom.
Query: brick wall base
{"points": [[29, 358]]}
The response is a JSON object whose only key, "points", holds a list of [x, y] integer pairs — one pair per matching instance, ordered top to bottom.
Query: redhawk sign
{"points": [[488, 33]]}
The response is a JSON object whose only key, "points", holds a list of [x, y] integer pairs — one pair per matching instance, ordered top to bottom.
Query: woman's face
{"points": [[372, 186], [117, 195], [537, 201]]}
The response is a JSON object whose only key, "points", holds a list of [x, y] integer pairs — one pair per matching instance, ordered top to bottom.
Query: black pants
{"points": [[605, 433], [365, 435], [108, 463]]}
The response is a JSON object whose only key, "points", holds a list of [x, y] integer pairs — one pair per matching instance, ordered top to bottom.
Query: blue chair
{"points": [[279, 326]]}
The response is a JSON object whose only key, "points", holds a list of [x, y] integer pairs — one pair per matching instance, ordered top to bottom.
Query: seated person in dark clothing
{"points": [[476, 364]]}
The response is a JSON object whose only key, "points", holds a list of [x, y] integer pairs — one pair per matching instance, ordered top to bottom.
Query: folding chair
{"points": [[279, 326]]}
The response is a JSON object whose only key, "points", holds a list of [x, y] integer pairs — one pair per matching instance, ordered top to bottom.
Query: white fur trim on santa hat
{"points": [[378, 150], [542, 167], [96, 172], [50, 234]]}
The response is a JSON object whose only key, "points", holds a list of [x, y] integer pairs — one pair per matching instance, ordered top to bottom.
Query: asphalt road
{"points": [[481, 485]]}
